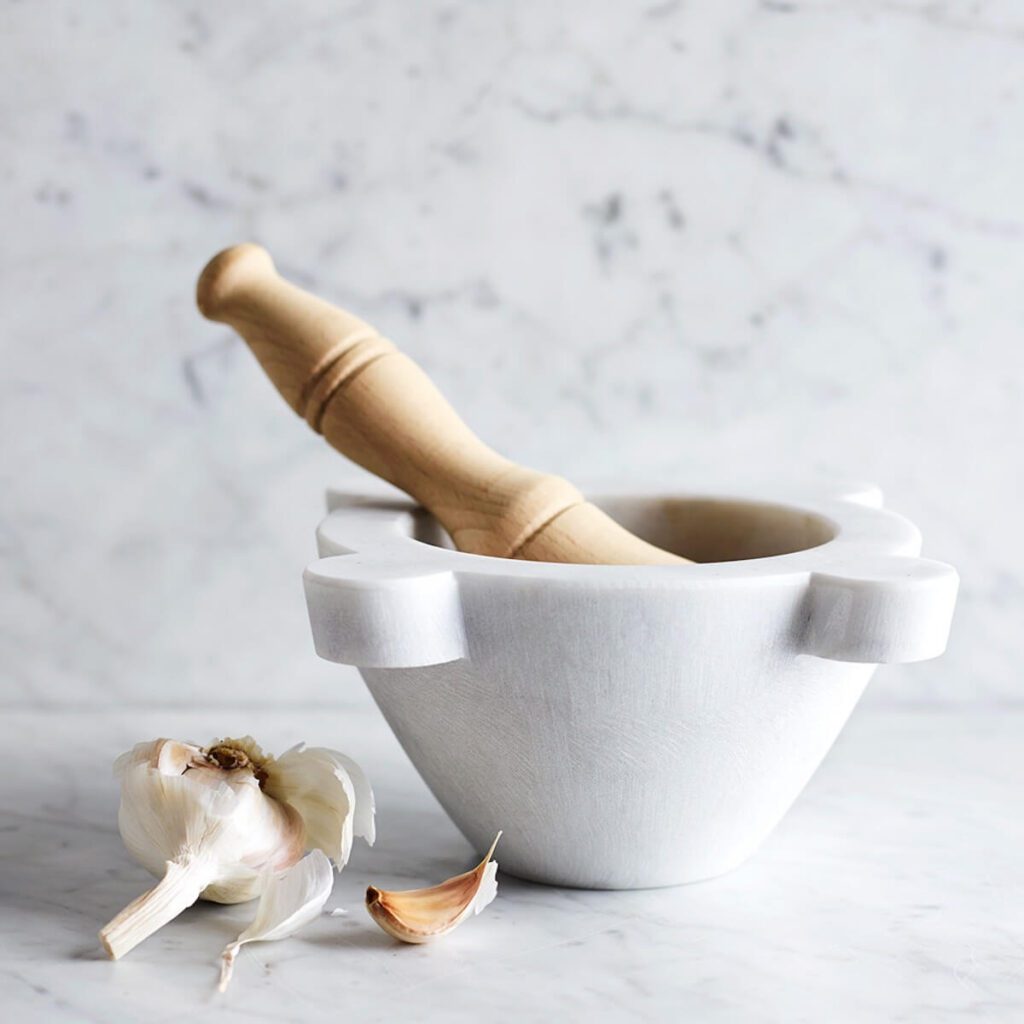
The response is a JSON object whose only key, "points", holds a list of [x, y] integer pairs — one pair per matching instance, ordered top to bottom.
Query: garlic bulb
{"points": [[216, 822], [289, 900], [419, 915]]}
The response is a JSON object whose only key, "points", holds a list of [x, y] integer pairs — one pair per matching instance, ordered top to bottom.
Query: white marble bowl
{"points": [[628, 726]]}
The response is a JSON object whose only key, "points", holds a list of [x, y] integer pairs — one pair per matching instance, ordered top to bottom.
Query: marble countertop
{"points": [[892, 892]]}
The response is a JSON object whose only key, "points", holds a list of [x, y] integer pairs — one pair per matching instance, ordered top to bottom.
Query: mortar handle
{"points": [[381, 410], [885, 609], [383, 616]]}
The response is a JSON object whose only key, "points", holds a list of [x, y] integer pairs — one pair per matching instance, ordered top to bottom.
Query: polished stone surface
{"points": [[892, 892]]}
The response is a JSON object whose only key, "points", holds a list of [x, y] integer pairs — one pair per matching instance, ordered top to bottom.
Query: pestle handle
{"points": [[376, 406]]}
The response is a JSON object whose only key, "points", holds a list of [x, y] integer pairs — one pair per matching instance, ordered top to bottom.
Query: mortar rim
{"points": [[370, 534]]}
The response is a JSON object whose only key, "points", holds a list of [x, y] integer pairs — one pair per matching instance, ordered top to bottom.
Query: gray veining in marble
{"points": [[626, 240]]}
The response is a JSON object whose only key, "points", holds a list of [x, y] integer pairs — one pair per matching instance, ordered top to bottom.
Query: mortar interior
{"points": [[702, 529]]}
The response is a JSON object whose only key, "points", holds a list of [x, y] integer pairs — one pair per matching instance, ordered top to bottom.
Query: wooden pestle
{"points": [[376, 406]]}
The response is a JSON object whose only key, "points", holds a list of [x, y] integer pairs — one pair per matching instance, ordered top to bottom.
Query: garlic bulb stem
{"points": [[180, 887]]}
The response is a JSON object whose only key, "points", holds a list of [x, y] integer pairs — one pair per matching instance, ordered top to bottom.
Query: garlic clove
{"points": [[331, 794], [290, 899], [419, 915]]}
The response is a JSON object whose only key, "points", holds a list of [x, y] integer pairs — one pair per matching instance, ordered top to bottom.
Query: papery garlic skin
{"points": [[331, 793], [217, 822], [290, 899], [419, 915]]}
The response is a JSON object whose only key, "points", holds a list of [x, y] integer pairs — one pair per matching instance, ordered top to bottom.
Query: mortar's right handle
{"points": [[378, 407], [884, 609]]}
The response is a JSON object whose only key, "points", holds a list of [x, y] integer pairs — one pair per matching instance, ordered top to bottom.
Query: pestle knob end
{"points": [[228, 274]]}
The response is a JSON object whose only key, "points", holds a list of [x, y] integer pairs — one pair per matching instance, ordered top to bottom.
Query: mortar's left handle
{"points": [[377, 615]]}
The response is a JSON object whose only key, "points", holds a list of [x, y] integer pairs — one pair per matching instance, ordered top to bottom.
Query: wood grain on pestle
{"points": [[376, 406]]}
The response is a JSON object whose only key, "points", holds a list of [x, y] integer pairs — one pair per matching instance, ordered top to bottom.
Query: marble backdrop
{"points": [[660, 241]]}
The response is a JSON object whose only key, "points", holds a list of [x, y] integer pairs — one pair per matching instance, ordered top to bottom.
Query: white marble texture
{"points": [[637, 239], [892, 892]]}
